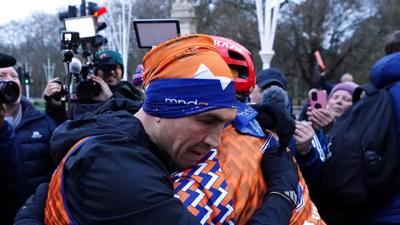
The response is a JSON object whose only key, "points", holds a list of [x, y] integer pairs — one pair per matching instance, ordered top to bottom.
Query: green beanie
{"points": [[111, 55]]}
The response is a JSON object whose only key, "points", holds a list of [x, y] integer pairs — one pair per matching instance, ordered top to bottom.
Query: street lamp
{"points": [[267, 17]]}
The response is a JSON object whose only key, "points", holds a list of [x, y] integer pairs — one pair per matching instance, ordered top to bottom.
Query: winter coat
{"points": [[385, 73], [24, 158]]}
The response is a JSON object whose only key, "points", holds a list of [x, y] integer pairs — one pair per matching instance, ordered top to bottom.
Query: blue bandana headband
{"points": [[181, 97]]}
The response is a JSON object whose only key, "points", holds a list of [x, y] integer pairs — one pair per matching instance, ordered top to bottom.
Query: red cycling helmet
{"points": [[239, 60]]}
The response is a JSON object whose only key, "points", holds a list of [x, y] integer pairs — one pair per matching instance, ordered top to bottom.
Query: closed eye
{"points": [[208, 121]]}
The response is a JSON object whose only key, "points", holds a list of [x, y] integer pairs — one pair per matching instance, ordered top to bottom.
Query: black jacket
{"points": [[24, 159], [119, 177]]}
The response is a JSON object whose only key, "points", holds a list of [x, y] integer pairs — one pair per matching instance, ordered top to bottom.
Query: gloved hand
{"points": [[54, 91], [275, 117], [280, 174], [32, 212]]}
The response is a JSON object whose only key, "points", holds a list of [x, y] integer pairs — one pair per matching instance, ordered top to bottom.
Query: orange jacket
{"points": [[239, 159]]}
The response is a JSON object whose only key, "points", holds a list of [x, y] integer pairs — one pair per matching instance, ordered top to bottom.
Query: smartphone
{"points": [[318, 58], [318, 99]]}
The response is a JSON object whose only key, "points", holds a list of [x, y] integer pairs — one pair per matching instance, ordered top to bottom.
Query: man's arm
{"points": [[55, 107], [280, 173], [111, 182], [115, 185], [31, 213]]}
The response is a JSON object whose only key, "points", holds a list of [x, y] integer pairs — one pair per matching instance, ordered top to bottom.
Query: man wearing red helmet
{"points": [[242, 148]]}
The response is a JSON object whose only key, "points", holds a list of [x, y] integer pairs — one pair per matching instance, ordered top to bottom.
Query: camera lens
{"points": [[87, 90], [9, 92], [59, 95], [314, 96]]}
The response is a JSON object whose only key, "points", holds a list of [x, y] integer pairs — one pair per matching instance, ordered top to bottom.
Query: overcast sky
{"points": [[20, 9]]}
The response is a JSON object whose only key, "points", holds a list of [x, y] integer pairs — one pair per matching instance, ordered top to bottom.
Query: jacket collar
{"points": [[29, 112]]}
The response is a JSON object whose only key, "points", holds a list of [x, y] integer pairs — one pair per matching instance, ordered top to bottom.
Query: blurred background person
{"points": [[108, 71], [137, 77], [267, 78], [24, 148]]}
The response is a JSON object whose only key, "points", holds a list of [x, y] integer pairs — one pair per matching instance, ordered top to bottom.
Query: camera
{"points": [[70, 40], [82, 88], [9, 92], [60, 96]]}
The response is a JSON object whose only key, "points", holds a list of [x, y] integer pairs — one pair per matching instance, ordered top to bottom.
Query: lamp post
{"points": [[267, 16], [118, 34], [48, 69]]}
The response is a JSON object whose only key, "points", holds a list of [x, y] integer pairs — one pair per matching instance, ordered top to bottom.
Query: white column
{"points": [[184, 11], [267, 17], [119, 22], [48, 69], [27, 91]]}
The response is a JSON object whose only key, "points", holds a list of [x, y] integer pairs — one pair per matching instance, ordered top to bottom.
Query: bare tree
{"points": [[324, 25], [30, 41]]}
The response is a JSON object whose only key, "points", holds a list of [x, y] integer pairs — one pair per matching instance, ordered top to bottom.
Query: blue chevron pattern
{"points": [[203, 191]]}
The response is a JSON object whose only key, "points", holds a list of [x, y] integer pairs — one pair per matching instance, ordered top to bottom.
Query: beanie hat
{"points": [[108, 56], [184, 57], [6, 60], [185, 76], [271, 76], [137, 77], [344, 86]]}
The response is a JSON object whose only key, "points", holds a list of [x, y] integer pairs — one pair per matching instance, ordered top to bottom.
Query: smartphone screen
{"points": [[84, 25], [318, 99]]}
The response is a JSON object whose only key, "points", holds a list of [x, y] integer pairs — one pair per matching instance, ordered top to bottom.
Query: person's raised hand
{"points": [[51, 91], [105, 92], [320, 118], [303, 136]]}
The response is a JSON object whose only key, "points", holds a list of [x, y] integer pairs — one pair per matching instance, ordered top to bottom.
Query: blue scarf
{"points": [[181, 97]]}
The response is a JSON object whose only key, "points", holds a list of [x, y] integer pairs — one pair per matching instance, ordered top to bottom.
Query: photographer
{"points": [[108, 71], [24, 143]]}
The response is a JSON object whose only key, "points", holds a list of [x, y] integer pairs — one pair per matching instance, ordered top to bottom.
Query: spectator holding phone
{"points": [[340, 99], [321, 119], [312, 137]]}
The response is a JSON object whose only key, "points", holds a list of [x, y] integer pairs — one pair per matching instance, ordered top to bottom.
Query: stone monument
{"points": [[184, 11]]}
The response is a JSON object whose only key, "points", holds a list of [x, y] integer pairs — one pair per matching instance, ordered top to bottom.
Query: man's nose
{"points": [[339, 101], [213, 139]]}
